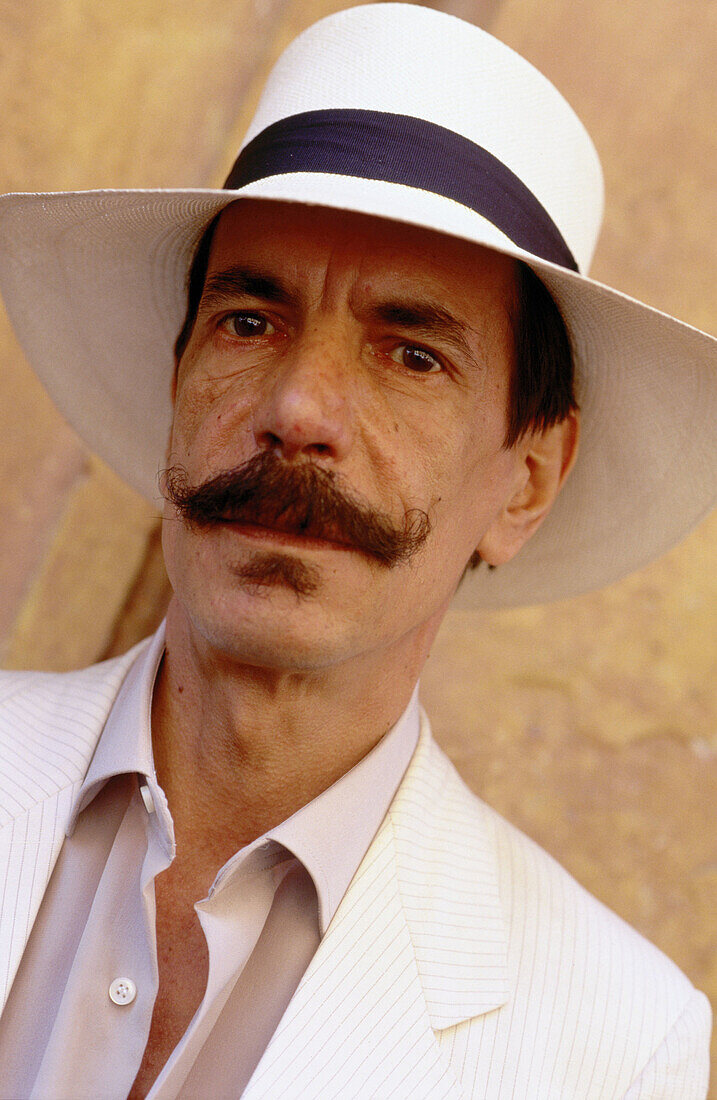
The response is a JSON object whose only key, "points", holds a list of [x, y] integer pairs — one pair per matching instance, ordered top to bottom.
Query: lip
{"points": [[256, 532]]}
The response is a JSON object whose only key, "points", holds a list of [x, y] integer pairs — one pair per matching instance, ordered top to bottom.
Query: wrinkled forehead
{"points": [[314, 247]]}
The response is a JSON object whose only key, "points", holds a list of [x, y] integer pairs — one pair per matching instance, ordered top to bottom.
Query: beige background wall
{"points": [[591, 724]]}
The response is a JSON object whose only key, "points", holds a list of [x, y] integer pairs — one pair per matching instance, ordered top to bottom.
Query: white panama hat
{"points": [[405, 113]]}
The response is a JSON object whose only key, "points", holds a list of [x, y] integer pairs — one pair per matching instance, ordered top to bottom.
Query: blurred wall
{"points": [[590, 724]]}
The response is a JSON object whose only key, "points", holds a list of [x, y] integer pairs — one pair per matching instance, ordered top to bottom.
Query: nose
{"points": [[306, 408]]}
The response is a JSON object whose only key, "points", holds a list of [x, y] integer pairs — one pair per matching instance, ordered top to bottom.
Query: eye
{"points": [[248, 324], [416, 359]]}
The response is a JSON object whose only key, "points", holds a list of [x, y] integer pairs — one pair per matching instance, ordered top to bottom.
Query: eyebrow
{"points": [[245, 282], [423, 317], [427, 318]]}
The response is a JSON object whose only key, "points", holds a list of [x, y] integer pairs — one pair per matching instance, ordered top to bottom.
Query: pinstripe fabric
{"points": [[49, 726], [462, 961], [595, 1008], [673, 1069]]}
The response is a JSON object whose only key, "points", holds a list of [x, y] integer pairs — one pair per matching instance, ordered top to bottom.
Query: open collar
{"points": [[329, 835]]}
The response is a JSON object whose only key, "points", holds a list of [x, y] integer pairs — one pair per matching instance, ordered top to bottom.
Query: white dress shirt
{"points": [[78, 1016]]}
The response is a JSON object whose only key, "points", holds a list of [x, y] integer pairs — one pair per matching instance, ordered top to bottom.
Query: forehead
{"points": [[306, 244]]}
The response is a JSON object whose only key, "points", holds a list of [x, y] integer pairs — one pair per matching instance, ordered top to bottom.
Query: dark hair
{"points": [[195, 286], [542, 382], [542, 385]]}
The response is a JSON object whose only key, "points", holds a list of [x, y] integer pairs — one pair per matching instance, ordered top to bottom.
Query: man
{"points": [[234, 861]]}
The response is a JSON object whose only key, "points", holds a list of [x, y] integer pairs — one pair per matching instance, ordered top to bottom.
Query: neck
{"points": [[239, 748]]}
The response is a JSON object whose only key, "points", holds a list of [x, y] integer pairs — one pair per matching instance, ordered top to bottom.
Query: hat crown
{"points": [[409, 60]]}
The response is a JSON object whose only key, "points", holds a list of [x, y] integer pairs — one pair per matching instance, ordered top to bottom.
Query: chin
{"points": [[274, 630], [278, 649]]}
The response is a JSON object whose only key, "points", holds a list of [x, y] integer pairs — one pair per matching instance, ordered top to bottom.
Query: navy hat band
{"points": [[401, 149]]}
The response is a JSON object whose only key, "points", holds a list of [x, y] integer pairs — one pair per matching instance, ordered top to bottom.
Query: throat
{"points": [[238, 748]]}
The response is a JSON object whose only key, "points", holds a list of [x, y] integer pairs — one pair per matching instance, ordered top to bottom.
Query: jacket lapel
{"points": [[49, 728], [29, 846], [418, 944]]}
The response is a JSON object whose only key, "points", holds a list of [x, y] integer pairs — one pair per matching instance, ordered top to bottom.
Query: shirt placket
{"points": [[113, 985]]}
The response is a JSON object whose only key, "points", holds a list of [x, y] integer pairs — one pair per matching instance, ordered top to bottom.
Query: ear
{"points": [[543, 461]]}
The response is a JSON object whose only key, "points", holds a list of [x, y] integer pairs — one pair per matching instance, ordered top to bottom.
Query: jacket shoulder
{"points": [[56, 684], [49, 726], [536, 889]]}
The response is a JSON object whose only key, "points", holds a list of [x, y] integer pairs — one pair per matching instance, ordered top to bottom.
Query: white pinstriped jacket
{"points": [[462, 961]]}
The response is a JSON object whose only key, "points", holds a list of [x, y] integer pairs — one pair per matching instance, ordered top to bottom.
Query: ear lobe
{"points": [[543, 461]]}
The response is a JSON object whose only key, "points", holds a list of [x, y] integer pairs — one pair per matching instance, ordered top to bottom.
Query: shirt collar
{"points": [[125, 744], [332, 834]]}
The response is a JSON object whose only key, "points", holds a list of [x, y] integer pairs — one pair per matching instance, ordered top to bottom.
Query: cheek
{"points": [[210, 425], [465, 450], [470, 475]]}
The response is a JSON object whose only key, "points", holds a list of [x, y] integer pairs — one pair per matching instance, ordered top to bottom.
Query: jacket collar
{"points": [[448, 878]]}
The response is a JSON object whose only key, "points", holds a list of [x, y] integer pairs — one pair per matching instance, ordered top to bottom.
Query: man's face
{"points": [[374, 353]]}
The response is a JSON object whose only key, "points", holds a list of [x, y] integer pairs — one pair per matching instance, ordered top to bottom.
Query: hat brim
{"points": [[94, 284]]}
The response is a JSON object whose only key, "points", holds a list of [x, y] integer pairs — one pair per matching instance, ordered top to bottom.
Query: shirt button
{"points": [[147, 798], [123, 991]]}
